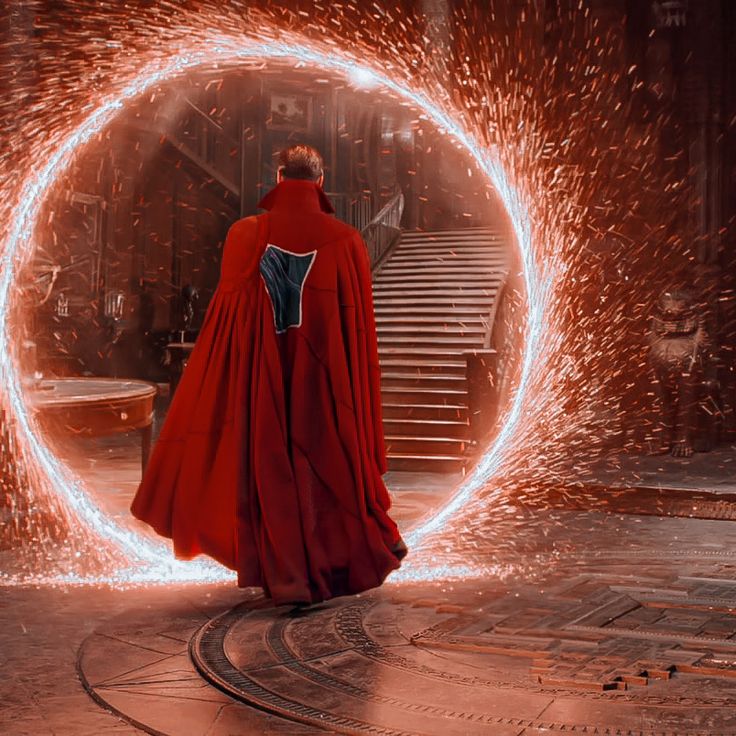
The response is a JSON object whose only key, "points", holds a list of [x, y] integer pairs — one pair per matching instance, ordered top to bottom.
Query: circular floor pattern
{"points": [[628, 642]]}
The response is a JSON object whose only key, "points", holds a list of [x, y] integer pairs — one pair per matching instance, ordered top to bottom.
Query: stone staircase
{"points": [[432, 299]]}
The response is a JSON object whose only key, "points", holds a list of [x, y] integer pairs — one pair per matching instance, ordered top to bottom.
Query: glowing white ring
{"points": [[35, 189]]}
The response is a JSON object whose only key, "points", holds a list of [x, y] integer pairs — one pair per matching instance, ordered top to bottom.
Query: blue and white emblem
{"points": [[284, 274]]}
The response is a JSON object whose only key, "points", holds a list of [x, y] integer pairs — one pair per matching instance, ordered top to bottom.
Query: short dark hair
{"points": [[301, 162]]}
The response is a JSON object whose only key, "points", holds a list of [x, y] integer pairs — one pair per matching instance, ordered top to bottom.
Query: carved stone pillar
{"points": [[701, 101]]}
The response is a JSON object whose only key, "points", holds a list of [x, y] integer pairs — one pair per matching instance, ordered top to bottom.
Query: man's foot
{"points": [[400, 549], [300, 605]]}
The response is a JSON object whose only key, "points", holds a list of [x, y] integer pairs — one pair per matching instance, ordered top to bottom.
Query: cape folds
{"points": [[271, 455]]}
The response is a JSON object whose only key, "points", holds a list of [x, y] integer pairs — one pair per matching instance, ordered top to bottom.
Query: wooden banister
{"points": [[384, 230]]}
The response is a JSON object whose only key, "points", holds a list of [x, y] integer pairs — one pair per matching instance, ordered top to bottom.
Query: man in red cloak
{"points": [[271, 454]]}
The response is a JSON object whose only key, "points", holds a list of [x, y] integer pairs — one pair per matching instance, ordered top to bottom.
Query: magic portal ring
{"points": [[149, 560]]}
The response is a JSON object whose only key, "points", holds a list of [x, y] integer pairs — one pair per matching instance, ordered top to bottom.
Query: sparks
{"points": [[558, 150], [147, 560]]}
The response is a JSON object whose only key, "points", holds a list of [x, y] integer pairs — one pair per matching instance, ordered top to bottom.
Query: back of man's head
{"points": [[301, 162]]}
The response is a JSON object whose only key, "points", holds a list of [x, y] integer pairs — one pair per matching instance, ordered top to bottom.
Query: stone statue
{"points": [[678, 349]]}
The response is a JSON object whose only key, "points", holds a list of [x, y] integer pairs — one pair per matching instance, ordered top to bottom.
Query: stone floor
{"points": [[714, 471], [703, 486], [631, 629], [633, 632]]}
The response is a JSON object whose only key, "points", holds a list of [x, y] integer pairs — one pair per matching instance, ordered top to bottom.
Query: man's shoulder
{"points": [[328, 223], [245, 224], [243, 231], [328, 231]]}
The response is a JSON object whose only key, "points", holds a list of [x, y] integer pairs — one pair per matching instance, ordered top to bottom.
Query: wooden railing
{"points": [[203, 140], [352, 207], [384, 230], [503, 335], [491, 370]]}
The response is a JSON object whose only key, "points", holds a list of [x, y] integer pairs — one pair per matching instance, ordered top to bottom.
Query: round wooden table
{"points": [[96, 406]]}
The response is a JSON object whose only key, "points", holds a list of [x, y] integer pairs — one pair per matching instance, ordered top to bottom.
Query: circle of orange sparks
{"points": [[148, 560]]}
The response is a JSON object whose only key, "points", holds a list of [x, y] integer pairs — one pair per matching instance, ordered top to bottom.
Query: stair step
{"points": [[471, 229], [463, 233], [435, 234], [444, 234], [451, 237], [443, 240], [451, 240], [496, 245], [470, 252], [447, 254], [445, 262], [435, 267], [450, 273], [448, 277], [451, 282], [451, 286], [447, 292], [432, 299], [478, 304], [395, 306], [463, 311], [437, 316], [472, 320], [437, 327], [441, 330], [386, 334], [440, 336], [458, 340], [427, 343], [407, 353], [419, 354], [419, 357], [422, 367], [412, 368], [426, 378], [454, 379], [434, 381], [419, 395], [444, 395], [452, 411], [397, 427], [453, 442], [430, 445], [425, 463]]}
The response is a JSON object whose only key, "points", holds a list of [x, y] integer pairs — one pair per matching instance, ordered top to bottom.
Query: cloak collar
{"points": [[297, 194]]}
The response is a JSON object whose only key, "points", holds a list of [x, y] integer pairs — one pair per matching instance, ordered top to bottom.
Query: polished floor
{"points": [[610, 623]]}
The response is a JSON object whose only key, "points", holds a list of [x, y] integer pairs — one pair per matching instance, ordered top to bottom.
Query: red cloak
{"points": [[271, 454]]}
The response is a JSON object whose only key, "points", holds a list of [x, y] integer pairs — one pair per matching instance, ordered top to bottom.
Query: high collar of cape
{"points": [[297, 194]]}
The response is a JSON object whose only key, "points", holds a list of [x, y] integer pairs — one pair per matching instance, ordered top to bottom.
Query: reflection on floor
{"points": [[110, 467], [713, 471], [703, 485], [610, 623], [630, 630], [583, 646]]}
